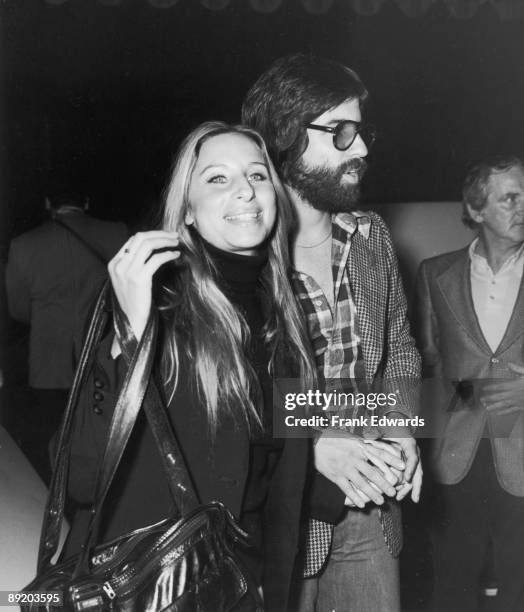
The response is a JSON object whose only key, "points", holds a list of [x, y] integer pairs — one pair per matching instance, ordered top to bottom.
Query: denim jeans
{"points": [[360, 574]]}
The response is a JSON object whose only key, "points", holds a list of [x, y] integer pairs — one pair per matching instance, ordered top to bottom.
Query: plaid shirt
{"points": [[335, 335]]}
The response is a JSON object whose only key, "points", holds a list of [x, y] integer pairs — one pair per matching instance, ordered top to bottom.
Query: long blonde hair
{"points": [[202, 321]]}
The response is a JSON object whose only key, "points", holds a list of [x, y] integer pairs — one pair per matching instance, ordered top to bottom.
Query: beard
{"points": [[323, 188]]}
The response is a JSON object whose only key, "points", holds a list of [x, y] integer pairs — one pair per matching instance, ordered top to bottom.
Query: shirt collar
{"points": [[354, 221], [472, 250]]}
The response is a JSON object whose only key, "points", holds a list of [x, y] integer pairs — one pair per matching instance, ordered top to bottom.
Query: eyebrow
{"points": [[337, 121], [219, 166]]}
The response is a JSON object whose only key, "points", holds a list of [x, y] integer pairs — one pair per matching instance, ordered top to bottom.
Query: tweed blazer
{"points": [[456, 360], [392, 363]]}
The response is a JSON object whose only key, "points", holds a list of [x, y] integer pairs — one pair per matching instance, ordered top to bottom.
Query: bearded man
{"points": [[346, 278]]}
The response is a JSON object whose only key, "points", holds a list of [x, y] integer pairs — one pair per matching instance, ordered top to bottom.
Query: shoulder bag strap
{"points": [[81, 239], [136, 383], [138, 388], [124, 417], [179, 480], [54, 511]]}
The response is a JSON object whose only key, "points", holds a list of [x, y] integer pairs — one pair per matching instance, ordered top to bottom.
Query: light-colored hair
{"points": [[201, 320]]}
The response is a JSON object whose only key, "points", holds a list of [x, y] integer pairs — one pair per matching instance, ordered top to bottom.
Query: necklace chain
{"points": [[313, 246]]}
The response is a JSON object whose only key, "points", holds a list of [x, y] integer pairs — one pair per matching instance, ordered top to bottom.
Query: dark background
{"points": [[98, 97]]}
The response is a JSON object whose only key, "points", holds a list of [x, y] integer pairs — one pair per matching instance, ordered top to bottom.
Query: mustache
{"points": [[357, 164]]}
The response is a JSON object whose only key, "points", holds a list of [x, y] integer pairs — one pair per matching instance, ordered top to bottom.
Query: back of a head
{"points": [[291, 93], [66, 200]]}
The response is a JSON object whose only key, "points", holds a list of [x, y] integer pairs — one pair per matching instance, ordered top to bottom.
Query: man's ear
{"points": [[476, 215]]}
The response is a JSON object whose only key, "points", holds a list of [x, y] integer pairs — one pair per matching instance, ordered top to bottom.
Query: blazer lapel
{"points": [[455, 286], [515, 327]]}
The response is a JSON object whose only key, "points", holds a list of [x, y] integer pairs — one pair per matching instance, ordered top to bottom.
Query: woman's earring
{"points": [[188, 219]]}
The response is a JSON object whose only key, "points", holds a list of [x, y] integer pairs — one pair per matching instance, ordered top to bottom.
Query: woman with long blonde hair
{"points": [[229, 327]]}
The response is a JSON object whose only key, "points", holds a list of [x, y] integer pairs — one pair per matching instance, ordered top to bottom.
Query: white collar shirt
{"points": [[494, 294]]}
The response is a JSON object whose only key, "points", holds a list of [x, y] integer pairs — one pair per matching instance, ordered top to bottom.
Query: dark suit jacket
{"points": [[52, 280], [456, 359]]}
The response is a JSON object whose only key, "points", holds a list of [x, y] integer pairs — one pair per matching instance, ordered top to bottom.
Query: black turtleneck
{"points": [[241, 273], [239, 278]]}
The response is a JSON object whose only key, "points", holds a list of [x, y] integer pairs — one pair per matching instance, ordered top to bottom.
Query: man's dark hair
{"points": [[291, 93], [475, 187], [69, 198]]}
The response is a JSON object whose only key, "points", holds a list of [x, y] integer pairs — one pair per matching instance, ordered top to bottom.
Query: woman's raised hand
{"points": [[131, 271]]}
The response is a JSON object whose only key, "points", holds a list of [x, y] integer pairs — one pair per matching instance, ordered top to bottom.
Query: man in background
{"points": [[52, 277], [346, 278], [470, 325]]}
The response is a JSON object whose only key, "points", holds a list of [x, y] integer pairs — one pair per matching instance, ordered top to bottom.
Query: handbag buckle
{"points": [[109, 590]]}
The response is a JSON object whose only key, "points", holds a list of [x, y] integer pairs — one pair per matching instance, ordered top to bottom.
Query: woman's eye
{"points": [[257, 176], [218, 178]]}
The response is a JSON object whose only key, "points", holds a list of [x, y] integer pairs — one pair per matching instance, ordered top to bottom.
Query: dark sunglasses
{"points": [[345, 132]]}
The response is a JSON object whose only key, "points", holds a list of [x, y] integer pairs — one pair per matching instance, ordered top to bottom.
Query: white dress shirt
{"points": [[494, 295]]}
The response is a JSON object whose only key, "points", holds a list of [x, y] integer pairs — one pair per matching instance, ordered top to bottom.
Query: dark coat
{"points": [[52, 280], [219, 470]]}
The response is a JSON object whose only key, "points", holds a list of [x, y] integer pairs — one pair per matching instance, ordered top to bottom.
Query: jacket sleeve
{"points": [[18, 285], [326, 499]]}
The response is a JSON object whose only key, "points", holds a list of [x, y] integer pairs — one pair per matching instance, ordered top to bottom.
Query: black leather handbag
{"points": [[187, 563]]}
